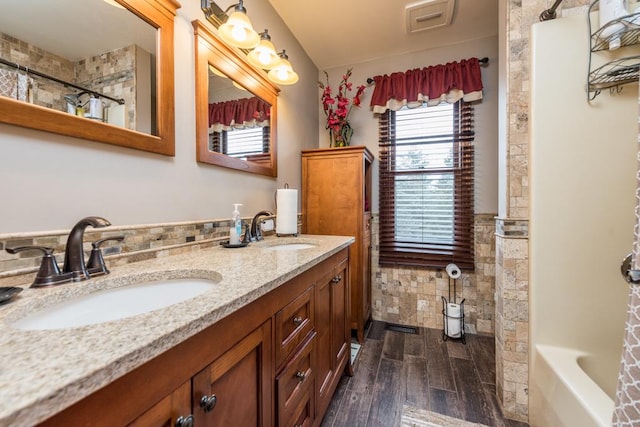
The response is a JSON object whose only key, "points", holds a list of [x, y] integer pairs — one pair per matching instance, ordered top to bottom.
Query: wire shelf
{"points": [[616, 73]]}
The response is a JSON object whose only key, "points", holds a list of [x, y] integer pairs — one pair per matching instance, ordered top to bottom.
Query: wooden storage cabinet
{"points": [[336, 200], [293, 323], [333, 343], [256, 367], [295, 389], [230, 390], [175, 406]]}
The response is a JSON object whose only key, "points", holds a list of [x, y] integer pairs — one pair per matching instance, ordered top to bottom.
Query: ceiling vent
{"points": [[429, 14]]}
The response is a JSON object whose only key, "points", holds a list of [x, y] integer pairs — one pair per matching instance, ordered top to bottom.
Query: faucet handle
{"points": [[247, 233], [95, 265], [49, 272]]}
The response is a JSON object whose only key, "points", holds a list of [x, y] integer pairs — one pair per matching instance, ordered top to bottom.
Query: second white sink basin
{"points": [[114, 304]]}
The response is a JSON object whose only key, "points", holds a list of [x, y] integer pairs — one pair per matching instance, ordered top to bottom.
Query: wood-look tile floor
{"points": [[420, 370]]}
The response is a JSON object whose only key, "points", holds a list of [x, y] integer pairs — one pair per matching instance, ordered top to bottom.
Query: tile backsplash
{"points": [[141, 242]]}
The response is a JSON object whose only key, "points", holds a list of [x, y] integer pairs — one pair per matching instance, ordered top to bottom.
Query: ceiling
{"points": [[340, 32]]}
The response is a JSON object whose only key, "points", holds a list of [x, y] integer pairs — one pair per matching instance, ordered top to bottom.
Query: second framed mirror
{"points": [[236, 108]]}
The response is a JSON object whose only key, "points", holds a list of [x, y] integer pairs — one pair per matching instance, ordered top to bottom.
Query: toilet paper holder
{"points": [[453, 313]]}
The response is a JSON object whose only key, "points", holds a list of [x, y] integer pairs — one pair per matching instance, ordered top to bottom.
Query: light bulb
{"points": [[239, 33], [264, 57]]}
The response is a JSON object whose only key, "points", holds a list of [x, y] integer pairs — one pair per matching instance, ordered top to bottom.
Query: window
{"points": [[241, 142], [426, 186]]}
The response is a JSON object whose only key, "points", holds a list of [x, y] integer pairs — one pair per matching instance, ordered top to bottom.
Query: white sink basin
{"points": [[290, 246], [114, 304]]}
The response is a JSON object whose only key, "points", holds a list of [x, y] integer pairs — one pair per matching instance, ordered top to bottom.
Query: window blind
{"points": [[426, 186]]}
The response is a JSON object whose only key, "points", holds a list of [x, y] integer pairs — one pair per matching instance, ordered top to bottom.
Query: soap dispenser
{"points": [[236, 226]]}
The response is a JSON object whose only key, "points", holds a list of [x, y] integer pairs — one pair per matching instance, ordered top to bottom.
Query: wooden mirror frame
{"points": [[159, 14], [210, 50]]}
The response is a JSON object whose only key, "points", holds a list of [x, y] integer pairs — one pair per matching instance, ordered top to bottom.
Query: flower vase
{"points": [[341, 138]]}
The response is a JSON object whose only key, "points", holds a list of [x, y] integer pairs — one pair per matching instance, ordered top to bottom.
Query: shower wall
{"points": [[582, 186]]}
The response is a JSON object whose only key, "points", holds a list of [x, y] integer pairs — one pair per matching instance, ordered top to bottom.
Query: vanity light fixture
{"points": [[237, 31], [264, 55], [217, 72], [283, 73], [238, 85]]}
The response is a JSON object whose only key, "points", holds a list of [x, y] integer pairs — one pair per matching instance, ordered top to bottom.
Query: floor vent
{"points": [[402, 328]]}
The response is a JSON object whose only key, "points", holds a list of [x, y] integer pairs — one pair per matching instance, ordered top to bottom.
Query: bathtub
{"points": [[563, 394]]}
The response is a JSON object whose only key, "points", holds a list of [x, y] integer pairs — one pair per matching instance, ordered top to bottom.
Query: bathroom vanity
{"points": [[265, 346]]}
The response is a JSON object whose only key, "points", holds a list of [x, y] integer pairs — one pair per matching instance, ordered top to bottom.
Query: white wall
{"points": [[366, 125], [48, 182], [582, 186]]}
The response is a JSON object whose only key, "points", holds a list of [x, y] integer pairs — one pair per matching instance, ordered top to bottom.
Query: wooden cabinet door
{"points": [[340, 325], [333, 340], [236, 389], [167, 412]]}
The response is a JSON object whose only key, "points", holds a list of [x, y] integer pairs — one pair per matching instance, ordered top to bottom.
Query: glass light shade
{"points": [[238, 31], [264, 55], [217, 72], [283, 74], [238, 85]]}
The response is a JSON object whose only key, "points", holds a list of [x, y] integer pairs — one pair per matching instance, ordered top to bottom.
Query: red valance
{"points": [[433, 84], [239, 113]]}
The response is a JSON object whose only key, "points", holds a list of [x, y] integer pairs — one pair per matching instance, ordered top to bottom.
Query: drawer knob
{"points": [[297, 320], [301, 376], [208, 402], [185, 421]]}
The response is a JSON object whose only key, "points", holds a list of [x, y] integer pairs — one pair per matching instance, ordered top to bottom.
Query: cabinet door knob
{"points": [[336, 279], [297, 320], [301, 376], [208, 402], [185, 421]]}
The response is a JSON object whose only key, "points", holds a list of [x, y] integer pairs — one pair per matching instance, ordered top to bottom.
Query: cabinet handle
{"points": [[336, 279], [297, 320], [301, 376], [208, 403], [185, 421]]}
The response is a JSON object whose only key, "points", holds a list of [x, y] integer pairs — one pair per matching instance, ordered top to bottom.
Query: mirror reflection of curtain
{"points": [[238, 113], [627, 404]]}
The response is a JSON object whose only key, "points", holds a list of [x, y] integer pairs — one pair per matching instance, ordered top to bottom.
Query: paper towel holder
{"points": [[275, 197]]}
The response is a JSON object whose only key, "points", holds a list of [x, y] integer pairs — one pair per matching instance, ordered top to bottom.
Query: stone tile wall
{"points": [[111, 73], [141, 242], [512, 282], [413, 296]]}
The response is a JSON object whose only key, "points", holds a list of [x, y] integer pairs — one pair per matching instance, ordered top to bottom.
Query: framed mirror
{"points": [[101, 70], [236, 108]]}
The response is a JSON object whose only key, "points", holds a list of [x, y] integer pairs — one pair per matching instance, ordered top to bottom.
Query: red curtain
{"points": [[449, 82], [238, 112]]}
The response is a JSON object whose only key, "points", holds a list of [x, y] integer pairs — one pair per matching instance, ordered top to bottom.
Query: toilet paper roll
{"points": [[287, 211], [453, 271], [454, 320]]}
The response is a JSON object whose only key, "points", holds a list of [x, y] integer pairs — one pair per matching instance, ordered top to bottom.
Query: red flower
{"points": [[337, 108]]}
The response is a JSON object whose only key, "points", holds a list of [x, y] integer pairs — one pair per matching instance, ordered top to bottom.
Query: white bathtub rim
{"points": [[592, 398]]}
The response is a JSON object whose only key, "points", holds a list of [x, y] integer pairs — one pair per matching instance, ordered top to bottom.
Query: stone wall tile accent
{"points": [[142, 242], [413, 296]]}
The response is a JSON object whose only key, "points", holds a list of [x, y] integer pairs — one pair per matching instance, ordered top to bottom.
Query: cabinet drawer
{"points": [[293, 323], [295, 386]]}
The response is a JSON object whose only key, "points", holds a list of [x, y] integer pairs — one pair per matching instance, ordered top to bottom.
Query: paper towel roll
{"points": [[286, 211], [454, 320]]}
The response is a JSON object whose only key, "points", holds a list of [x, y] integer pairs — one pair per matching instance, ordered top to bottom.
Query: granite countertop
{"points": [[45, 371]]}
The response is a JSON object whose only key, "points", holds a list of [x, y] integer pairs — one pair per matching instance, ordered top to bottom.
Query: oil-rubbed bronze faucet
{"points": [[256, 233], [74, 253]]}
